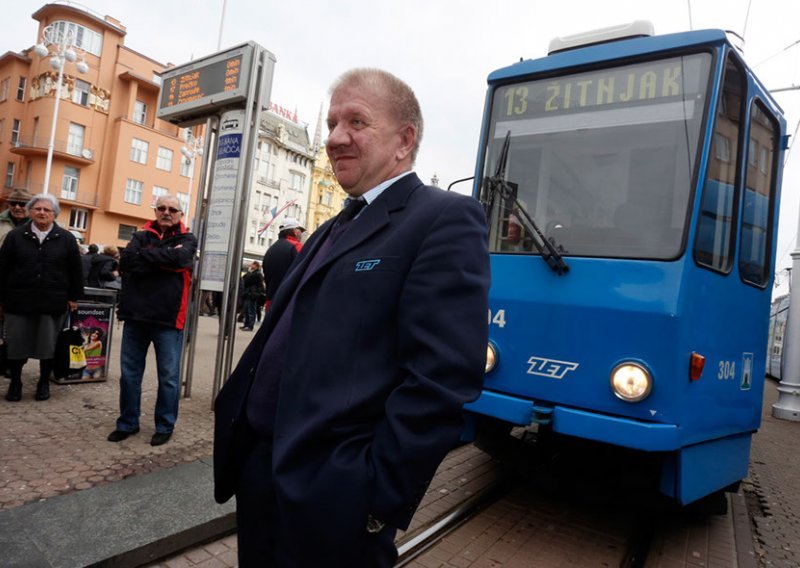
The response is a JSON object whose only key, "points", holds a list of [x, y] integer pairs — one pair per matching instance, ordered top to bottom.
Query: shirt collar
{"points": [[372, 194], [41, 234]]}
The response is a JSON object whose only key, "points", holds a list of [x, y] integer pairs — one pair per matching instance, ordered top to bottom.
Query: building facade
{"points": [[111, 156], [283, 167], [327, 196]]}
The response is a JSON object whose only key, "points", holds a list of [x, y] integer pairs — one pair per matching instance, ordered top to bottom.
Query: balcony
{"points": [[63, 149], [268, 182], [80, 198]]}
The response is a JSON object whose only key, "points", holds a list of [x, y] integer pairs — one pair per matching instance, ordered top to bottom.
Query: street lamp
{"points": [[57, 44], [192, 148]]}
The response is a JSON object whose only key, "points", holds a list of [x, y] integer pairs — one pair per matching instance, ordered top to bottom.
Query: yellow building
{"points": [[111, 156], [327, 196]]}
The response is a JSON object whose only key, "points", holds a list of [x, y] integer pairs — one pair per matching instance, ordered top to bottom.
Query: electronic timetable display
{"points": [[193, 89]]}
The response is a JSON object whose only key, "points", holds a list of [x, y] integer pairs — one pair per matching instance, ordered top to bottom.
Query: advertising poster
{"points": [[94, 323]]}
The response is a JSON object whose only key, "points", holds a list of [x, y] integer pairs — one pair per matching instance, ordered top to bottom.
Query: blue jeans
{"points": [[250, 309], [136, 339]]}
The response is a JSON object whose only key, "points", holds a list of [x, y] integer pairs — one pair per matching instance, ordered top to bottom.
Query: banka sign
{"points": [[550, 367]]}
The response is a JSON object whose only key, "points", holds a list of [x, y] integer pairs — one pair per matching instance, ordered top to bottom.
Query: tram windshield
{"points": [[602, 161]]}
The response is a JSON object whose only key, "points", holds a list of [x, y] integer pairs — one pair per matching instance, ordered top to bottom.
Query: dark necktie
{"points": [[351, 209]]}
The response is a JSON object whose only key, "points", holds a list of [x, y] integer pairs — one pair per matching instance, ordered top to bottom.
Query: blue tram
{"points": [[631, 184]]}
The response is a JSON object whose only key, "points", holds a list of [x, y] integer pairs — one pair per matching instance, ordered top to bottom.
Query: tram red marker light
{"points": [[696, 365]]}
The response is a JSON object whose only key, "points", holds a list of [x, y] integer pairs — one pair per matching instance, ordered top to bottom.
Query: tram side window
{"points": [[759, 197], [715, 229]]}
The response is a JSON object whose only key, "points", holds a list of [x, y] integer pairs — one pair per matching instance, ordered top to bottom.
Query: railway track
{"points": [[550, 518], [415, 544]]}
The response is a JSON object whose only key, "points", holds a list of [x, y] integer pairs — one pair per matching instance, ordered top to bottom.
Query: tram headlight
{"points": [[491, 356], [631, 382]]}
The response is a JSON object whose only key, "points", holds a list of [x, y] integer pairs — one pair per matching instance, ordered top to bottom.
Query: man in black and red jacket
{"points": [[279, 256], [156, 271]]}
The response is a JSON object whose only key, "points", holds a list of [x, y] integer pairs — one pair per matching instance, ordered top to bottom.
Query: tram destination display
{"points": [[190, 91]]}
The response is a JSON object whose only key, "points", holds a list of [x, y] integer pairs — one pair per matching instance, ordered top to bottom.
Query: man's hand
{"points": [[72, 306]]}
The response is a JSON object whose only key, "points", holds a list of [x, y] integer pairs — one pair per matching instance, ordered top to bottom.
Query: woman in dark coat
{"points": [[41, 277]]}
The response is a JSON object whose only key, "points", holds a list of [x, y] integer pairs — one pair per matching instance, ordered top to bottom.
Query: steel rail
{"points": [[422, 541]]}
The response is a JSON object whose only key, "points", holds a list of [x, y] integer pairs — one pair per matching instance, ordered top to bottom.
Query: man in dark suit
{"points": [[342, 407]]}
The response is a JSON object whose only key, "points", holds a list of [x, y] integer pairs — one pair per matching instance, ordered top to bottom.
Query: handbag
{"points": [[70, 359]]}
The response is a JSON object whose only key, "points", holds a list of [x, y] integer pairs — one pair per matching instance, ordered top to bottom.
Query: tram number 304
{"points": [[498, 318], [727, 370]]}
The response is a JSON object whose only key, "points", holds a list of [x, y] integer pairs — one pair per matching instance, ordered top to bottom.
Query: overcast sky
{"points": [[444, 49]]}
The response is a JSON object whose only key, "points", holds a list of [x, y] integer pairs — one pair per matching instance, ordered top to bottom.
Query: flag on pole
{"points": [[275, 212]]}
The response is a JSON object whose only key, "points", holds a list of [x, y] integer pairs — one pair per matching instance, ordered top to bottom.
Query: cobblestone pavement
{"points": [[58, 446], [462, 474], [773, 488], [511, 535]]}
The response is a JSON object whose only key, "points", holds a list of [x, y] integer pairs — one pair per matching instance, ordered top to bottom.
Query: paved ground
{"points": [[58, 447], [773, 488]]}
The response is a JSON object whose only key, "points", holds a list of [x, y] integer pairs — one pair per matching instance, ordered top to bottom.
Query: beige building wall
{"points": [[111, 155], [282, 176], [327, 196]]}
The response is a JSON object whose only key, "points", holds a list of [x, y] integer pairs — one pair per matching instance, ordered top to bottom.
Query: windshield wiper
{"points": [[497, 185]]}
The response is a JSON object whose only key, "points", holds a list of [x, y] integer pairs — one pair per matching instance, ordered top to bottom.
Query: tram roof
{"points": [[617, 49], [621, 49]]}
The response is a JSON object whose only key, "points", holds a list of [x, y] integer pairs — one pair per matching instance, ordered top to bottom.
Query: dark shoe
{"points": [[246, 328], [42, 390], [14, 393], [119, 435], [160, 438]]}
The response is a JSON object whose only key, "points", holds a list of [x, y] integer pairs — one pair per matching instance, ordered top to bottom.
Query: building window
{"points": [[82, 37], [21, 88], [4, 89], [80, 94], [139, 112], [2, 127], [15, 131], [75, 139], [722, 147], [139, 151], [752, 153], [164, 161], [187, 167], [10, 174], [297, 181], [69, 184], [133, 191], [158, 191], [183, 199], [78, 219], [125, 232], [253, 232]]}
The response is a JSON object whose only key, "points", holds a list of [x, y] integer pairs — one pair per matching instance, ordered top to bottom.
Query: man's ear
{"points": [[408, 138]]}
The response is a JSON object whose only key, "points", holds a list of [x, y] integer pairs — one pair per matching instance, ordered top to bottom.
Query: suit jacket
{"points": [[387, 343]]}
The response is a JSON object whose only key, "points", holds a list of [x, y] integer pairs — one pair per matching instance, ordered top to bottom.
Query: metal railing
{"points": [[63, 146]]}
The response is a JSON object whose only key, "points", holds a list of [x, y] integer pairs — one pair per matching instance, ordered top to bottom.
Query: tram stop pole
{"points": [[788, 405]]}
